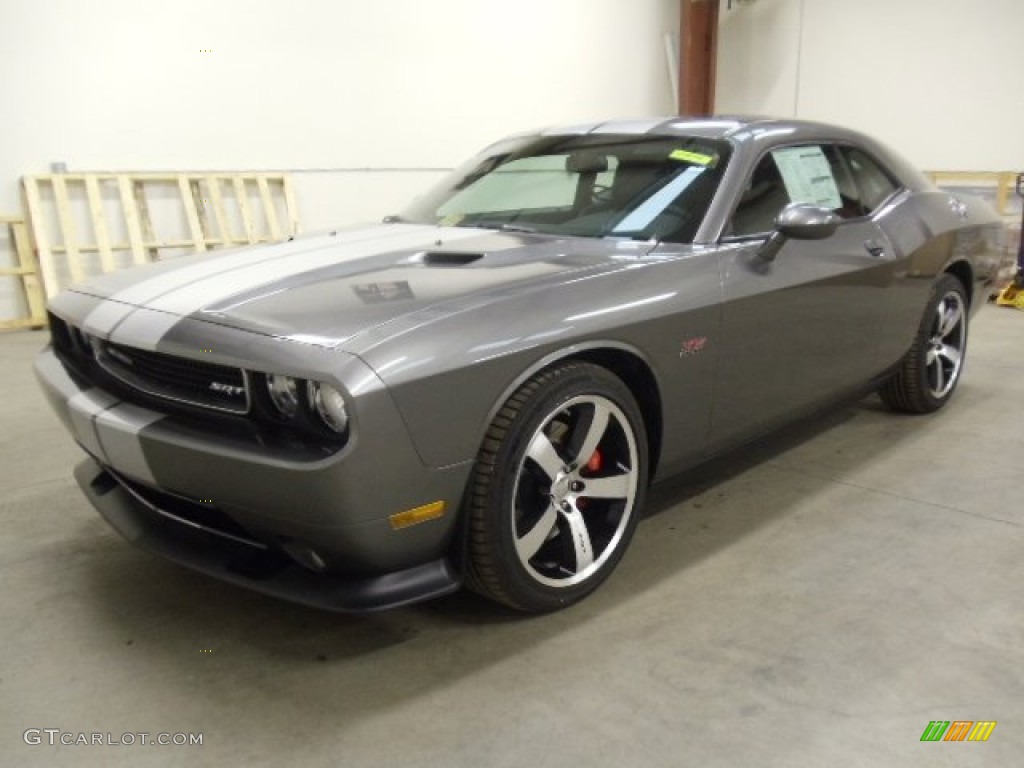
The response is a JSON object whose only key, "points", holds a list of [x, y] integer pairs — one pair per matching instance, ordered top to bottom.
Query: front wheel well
{"points": [[638, 376]]}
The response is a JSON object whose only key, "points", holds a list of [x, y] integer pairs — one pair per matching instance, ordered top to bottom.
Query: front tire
{"points": [[929, 374], [557, 489]]}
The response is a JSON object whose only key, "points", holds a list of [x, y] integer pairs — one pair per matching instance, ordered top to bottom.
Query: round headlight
{"points": [[284, 394], [329, 405]]}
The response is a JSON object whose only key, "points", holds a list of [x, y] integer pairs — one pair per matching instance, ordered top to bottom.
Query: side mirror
{"points": [[799, 221]]}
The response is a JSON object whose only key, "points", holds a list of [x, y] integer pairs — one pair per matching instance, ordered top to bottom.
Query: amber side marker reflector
{"points": [[416, 515]]}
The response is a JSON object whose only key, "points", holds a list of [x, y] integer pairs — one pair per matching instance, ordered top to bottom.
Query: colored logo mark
{"points": [[958, 730]]}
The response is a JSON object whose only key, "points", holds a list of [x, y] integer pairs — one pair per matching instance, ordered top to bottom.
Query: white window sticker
{"points": [[808, 176]]}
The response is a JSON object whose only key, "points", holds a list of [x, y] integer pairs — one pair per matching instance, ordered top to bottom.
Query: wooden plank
{"points": [[1006, 181], [241, 196], [289, 204], [202, 205], [269, 208], [219, 212], [191, 213], [131, 218], [145, 220], [210, 220], [99, 223], [68, 229], [41, 237], [150, 245], [29, 270], [20, 323]]}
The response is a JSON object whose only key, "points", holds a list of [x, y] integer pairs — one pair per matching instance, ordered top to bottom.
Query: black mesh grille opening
{"points": [[60, 334], [177, 378]]}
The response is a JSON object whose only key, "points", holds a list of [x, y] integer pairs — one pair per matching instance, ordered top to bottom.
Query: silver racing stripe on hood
{"points": [[215, 264], [176, 294], [122, 302]]}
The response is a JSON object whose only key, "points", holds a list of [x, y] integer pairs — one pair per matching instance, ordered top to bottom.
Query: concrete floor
{"points": [[813, 601]]}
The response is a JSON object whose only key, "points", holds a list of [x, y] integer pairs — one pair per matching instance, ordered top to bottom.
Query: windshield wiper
{"points": [[501, 226]]}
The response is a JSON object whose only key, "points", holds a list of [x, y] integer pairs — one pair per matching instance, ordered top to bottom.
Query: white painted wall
{"points": [[939, 80], [312, 84]]}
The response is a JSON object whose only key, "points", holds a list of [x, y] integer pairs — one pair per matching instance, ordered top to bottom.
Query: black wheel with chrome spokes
{"points": [[946, 344], [930, 372], [557, 488]]}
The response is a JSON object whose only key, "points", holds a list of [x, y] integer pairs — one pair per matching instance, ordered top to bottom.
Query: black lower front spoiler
{"points": [[259, 569]]}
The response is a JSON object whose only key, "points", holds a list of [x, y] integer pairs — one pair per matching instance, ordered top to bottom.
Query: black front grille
{"points": [[209, 385]]}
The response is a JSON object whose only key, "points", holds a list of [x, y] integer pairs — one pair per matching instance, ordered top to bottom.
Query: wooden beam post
{"points": [[698, 52]]}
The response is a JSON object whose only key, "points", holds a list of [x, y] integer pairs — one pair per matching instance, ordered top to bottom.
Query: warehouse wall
{"points": [[937, 79], [398, 87]]}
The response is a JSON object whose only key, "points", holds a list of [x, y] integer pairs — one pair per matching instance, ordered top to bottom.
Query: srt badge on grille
{"points": [[227, 389]]}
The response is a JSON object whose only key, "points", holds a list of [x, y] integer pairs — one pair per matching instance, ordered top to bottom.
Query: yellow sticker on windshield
{"points": [[692, 157], [451, 220]]}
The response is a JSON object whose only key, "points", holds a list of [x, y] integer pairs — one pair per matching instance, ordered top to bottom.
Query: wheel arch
{"points": [[964, 272], [628, 363]]}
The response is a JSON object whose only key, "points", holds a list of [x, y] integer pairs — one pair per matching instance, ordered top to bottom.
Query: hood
{"points": [[328, 288]]}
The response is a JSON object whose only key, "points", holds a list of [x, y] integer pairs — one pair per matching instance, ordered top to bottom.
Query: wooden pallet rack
{"points": [[1003, 182], [83, 224], [27, 274]]}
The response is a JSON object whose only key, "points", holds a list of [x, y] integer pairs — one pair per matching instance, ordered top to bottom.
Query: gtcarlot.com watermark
{"points": [[58, 737]]}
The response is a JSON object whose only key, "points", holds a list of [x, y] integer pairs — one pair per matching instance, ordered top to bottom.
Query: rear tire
{"points": [[930, 372], [557, 488]]}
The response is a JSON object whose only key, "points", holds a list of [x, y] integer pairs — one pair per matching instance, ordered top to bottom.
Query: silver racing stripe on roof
{"points": [[636, 127]]}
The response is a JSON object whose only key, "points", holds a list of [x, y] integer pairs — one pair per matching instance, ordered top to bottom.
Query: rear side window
{"points": [[874, 183]]}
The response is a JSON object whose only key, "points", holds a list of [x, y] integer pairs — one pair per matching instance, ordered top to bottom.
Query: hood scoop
{"points": [[448, 258]]}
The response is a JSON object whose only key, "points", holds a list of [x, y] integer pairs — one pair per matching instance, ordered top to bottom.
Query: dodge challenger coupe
{"points": [[478, 390]]}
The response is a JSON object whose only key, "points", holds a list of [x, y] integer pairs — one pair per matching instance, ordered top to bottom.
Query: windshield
{"points": [[638, 187]]}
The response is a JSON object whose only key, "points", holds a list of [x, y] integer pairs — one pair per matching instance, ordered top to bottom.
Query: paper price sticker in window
{"points": [[808, 176]]}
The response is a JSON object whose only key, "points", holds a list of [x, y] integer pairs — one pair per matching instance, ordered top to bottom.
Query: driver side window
{"points": [[763, 197]]}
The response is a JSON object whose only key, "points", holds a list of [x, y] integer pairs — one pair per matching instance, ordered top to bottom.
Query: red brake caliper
{"points": [[593, 466]]}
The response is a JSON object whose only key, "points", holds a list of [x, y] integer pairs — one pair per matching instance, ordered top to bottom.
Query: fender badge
{"points": [[691, 347], [227, 389]]}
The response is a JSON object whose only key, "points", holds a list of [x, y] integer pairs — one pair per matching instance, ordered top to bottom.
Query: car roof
{"points": [[712, 126], [753, 132]]}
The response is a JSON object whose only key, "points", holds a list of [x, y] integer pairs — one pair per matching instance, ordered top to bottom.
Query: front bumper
{"points": [[245, 504], [262, 569]]}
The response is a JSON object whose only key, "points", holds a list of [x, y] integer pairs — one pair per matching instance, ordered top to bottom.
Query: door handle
{"points": [[875, 248]]}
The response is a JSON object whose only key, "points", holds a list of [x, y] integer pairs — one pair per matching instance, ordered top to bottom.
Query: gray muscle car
{"points": [[478, 390]]}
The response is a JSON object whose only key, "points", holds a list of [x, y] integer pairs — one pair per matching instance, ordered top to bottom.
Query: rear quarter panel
{"points": [[929, 239]]}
